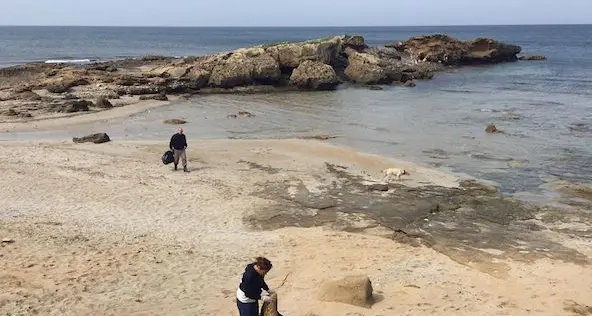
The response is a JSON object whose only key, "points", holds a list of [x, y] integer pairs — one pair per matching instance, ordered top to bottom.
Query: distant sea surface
{"points": [[544, 107]]}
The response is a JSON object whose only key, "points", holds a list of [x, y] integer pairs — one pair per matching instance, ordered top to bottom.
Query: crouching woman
{"points": [[249, 291]]}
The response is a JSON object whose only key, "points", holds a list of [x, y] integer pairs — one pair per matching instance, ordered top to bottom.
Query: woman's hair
{"points": [[263, 263]]}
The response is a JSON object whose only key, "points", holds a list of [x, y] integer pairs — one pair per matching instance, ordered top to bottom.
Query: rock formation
{"points": [[447, 50], [320, 64], [314, 75]]}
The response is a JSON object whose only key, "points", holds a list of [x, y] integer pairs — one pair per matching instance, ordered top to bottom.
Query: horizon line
{"points": [[290, 26]]}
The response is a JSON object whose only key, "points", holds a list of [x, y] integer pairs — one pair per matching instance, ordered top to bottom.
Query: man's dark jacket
{"points": [[178, 141]]}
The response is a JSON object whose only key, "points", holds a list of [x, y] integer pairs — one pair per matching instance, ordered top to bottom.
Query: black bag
{"points": [[168, 157]]}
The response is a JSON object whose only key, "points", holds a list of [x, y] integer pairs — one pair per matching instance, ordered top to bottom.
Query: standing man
{"points": [[178, 145]]}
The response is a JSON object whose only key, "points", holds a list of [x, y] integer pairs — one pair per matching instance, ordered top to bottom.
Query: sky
{"points": [[293, 13]]}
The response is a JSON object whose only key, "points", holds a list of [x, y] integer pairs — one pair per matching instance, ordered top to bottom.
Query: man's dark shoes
{"points": [[175, 167], [185, 169]]}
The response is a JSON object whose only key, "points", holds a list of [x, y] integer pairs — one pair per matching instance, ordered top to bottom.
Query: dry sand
{"points": [[108, 230]]}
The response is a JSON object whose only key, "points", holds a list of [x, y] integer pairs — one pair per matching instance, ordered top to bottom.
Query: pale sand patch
{"points": [[108, 230]]}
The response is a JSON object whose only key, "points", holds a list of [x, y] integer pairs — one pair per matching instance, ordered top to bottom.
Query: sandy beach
{"points": [[107, 229]]}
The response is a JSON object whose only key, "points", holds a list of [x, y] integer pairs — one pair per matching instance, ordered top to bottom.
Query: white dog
{"points": [[397, 172]]}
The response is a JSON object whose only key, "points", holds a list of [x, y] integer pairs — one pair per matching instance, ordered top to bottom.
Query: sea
{"points": [[544, 107]]}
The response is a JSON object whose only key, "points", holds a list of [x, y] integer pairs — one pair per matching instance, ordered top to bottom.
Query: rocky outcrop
{"points": [[447, 50], [488, 51], [291, 55], [311, 65], [244, 67], [368, 68], [365, 69], [314, 75], [97, 138]]}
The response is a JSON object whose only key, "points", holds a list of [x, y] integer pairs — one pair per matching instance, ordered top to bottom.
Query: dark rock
{"points": [[354, 41], [399, 46], [438, 48], [447, 50], [485, 50], [387, 53], [532, 57], [154, 58], [103, 67], [51, 73], [314, 75], [198, 77], [127, 80], [78, 82], [64, 86], [182, 87], [375, 87], [57, 88], [139, 90], [108, 94], [24, 95], [69, 96], [157, 97], [103, 103], [72, 106], [15, 113], [241, 114], [245, 114], [174, 121], [97, 138], [378, 187]]}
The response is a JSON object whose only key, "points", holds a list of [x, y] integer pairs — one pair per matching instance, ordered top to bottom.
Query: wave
{"points": [[68, 61]]}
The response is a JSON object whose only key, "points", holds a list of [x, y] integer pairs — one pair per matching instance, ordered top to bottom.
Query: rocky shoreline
{"points": [[35, 89]]}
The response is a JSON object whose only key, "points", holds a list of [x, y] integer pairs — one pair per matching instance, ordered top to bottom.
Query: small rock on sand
{"points": [[104, 103], [241, 114], [174, 121], [491, 129], [97, 138], [7, 240], [352, 290]]}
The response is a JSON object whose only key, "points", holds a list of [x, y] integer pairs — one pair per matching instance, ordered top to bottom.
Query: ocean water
{"points": [[544, 107]]}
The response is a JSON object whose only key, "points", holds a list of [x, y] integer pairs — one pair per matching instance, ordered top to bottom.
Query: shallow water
{"points": [[431, 124]]}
